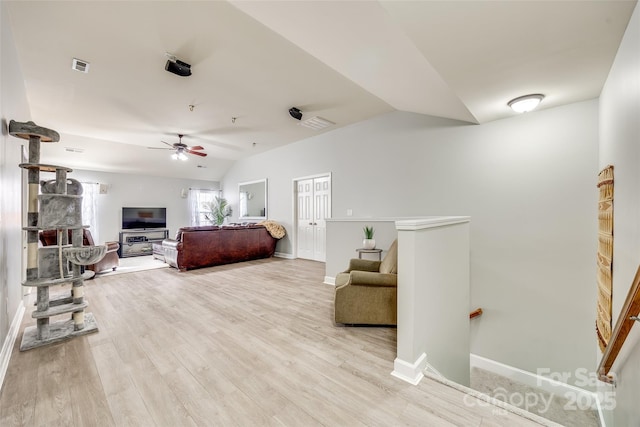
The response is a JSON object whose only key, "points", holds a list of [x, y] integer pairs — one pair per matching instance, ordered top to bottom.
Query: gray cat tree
{"points": [[54, 205]]}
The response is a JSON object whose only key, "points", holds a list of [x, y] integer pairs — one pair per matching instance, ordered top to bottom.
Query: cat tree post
{"points": [[54, 205]]}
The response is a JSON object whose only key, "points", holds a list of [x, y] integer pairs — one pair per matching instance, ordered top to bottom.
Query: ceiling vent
{"points": [[80, 65], [316, 123], [74, 150]]}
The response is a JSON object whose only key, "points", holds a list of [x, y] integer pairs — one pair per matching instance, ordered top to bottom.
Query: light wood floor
{"points": [[244, 344]]}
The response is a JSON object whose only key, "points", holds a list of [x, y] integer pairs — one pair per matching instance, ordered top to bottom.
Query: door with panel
{"points": [[313, 208]]}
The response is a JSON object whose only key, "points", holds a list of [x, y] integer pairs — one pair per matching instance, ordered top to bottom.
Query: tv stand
{"points": [[140, 242]]}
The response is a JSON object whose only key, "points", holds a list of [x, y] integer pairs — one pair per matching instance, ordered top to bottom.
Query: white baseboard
{"points": [[283, 255], [329, 280], [9, 341], [431, 370], [410, 372], [537, 381]]}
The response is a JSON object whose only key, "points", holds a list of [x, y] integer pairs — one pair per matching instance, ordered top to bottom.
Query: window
{"points": [[90, 191], [197, 200]]}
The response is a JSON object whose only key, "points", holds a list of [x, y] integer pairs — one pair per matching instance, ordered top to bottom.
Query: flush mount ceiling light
{"points": [[524, 104]]}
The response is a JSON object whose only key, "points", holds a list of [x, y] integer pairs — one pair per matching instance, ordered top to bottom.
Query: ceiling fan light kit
{"points": [[526, 103], [181, 150], [179, 155]]}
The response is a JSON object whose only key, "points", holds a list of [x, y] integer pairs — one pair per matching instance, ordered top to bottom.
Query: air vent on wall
{"points": [[80, 65]]}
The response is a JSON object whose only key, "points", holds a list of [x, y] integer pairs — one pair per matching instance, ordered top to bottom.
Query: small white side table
{"points": [[369, 251]]}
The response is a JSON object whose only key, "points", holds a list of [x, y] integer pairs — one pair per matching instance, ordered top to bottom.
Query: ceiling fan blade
{"points": [[170, 145], [196, 147], [160, 148], [197, 153]]}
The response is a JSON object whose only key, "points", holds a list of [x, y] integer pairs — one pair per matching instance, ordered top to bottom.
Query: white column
{"points": [[433, 298]]}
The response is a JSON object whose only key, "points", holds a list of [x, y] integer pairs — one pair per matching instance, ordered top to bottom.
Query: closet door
{"points": [[313, 206], [322, 211], [305, 218]]}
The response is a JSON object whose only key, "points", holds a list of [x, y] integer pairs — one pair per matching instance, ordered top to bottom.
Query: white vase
{"points": [[369, 243]]}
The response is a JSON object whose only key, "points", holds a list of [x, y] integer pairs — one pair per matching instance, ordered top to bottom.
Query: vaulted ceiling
{"points": [[344, 61]]}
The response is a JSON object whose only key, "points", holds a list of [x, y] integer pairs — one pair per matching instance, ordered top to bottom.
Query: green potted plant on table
{"points": [[219, 210], [369, 242]]}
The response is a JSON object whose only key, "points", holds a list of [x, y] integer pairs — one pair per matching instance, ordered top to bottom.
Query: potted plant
{"points": [[219, 210], [369, 242]]}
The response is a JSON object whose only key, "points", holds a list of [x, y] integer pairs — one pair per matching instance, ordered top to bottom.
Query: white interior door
{"points": [[313, 208], [322, 211], [305, 218]]}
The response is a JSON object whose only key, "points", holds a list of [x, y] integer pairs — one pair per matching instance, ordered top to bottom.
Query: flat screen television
{"points": [[143, 218]]}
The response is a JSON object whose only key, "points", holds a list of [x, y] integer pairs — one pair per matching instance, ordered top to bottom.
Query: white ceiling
{"points": [[344, 61]]}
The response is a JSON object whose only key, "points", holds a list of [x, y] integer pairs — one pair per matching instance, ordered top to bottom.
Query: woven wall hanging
{"points": [[605, 256]]}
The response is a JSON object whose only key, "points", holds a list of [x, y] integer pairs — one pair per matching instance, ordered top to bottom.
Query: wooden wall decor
{"points": [[605, 257]]}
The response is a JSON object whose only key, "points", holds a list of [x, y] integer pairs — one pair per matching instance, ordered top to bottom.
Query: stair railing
{"points": [[475, 313], [628, 316]]}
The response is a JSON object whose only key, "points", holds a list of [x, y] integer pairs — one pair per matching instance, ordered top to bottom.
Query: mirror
{"points": [[253, 199]]}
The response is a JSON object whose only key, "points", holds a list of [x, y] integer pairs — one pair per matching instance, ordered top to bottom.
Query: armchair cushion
{"points": [[390, 262]]}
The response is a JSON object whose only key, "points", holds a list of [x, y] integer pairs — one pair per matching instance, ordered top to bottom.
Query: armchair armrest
{"points": [[171, 244], [112, 246], [171, 248], [363, 265], [369, 278]]}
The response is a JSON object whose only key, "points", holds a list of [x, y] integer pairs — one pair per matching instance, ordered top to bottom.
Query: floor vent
{"points": [[80, 65]]}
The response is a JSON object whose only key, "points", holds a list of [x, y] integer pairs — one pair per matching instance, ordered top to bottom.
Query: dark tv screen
{"points": [[143, 218]]}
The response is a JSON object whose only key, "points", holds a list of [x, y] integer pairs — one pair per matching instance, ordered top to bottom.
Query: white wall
{"points": [[14, 105], [620, 147], [528, 184], [139, 191], [345, 235]]}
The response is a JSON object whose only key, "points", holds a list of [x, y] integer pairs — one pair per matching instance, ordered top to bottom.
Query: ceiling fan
{"points": [[181, 149]]}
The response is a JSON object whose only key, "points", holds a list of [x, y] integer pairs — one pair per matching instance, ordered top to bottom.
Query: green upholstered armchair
{"points": [[366, 294]]}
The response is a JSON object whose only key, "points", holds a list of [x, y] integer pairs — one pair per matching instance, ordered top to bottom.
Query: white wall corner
{"points": [[7, 346], [410, 372]]}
